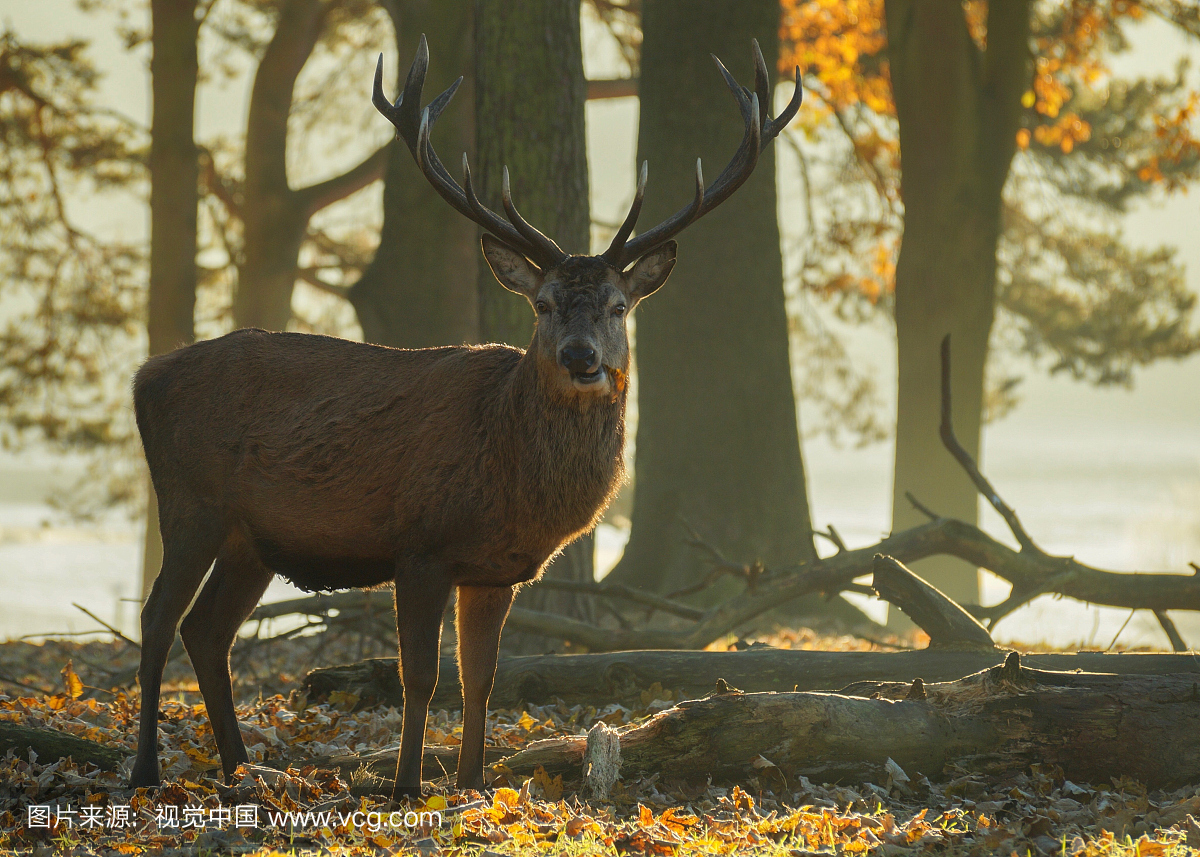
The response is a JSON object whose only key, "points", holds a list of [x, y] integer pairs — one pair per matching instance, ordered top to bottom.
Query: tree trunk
{"points": [[529, 105], [958, 112], [529, 113], [174, 197], [274, 216], [273, 224], [419, 290], [717, 442], [624, 676], [1095, 727]]}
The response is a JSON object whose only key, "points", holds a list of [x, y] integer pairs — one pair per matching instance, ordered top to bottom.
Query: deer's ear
{"points": [[514, 271], [650, 271]]}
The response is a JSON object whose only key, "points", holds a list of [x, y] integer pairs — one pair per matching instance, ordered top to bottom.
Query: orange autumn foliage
{"points": [[840, 48]]}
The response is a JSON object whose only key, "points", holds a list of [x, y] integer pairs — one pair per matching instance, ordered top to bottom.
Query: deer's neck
{"points": [[568, 458]]}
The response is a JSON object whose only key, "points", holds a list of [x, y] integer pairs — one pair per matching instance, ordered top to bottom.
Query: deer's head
{"points": [[582, 302]]}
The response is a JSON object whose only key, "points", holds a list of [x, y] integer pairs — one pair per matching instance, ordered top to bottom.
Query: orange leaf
{"points": [[71, 681]]}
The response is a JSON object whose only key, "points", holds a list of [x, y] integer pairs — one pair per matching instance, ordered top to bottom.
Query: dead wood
{"points": [[948, 625], [602, 678], [1000, 720], [51, 745]]}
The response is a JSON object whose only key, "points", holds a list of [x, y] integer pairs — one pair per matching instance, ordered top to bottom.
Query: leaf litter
{"points": [[768, 812]]}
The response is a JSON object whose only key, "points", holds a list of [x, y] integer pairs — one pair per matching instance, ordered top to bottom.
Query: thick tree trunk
{"points": [[529, 104], [957, 108], [529, 113], [174, 197], [419, 290], [717, 441], [623, 676], [1095, 727]]}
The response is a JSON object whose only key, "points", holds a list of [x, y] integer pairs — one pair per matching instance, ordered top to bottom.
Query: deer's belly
{"points": [[324, 571]]}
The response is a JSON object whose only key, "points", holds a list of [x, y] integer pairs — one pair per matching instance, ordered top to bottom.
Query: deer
{"points": [[454, 470]]}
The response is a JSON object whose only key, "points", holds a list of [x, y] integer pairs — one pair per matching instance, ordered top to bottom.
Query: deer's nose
{"points": [[578, 359]]}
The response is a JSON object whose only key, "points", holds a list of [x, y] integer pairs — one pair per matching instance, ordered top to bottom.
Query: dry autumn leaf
{"points": [[71, 681]]}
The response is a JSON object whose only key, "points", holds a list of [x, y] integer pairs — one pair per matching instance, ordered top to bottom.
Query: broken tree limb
{"points": [[948, 625], [602, 678], [1001, 720]]}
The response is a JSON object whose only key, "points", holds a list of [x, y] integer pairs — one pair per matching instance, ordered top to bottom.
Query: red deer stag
{"points": [[341, 465]]}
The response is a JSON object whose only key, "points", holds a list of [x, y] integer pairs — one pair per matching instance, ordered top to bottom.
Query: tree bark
{"points": [[958, 109], [529, 113], [174, 197], [419, 290], [717, 441], [623, 676], [1095, 727]]}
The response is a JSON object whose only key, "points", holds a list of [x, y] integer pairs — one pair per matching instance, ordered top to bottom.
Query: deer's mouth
{"points": [[588, 382]]}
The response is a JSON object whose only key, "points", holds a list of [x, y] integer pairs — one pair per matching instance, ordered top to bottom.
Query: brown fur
{"points": [[339, 465]]}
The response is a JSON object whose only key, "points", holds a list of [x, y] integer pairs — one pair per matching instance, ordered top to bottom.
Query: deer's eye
{"points": [[542, 307], [619, 310]]}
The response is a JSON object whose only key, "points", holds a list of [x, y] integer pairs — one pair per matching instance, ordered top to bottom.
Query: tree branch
{"points": [[621, 87], [315, 197], [309, 275], [968, 464], [1177, 641]]}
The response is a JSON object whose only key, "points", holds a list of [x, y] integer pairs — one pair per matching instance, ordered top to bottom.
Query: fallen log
{"points": [[599, 679], [1001, 720], [50, 745]]}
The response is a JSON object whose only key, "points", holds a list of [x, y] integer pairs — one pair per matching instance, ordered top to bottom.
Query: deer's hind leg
{"points": [[191, 539], [237, 582], [422, 592]]}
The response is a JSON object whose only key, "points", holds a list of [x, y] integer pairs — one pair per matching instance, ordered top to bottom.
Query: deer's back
{"points": [[327, 451]]}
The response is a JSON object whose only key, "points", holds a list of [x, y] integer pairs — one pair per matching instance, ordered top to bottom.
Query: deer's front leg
{"points": [[421, 595], [480, 616]]}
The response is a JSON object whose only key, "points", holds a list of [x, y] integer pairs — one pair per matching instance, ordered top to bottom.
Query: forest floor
{"points": [[57, 807]]}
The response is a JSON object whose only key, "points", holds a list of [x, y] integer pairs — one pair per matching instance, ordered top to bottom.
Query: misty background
{"points": [[1108, 475]]}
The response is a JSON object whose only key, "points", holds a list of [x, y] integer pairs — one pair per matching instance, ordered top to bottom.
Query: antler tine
{"points": [[762, 86], [391, 112], [413, 125], [772, 128], [760, 130], [731, 178], [449, 190], [481, 214], [548, 250], [613, 254]]}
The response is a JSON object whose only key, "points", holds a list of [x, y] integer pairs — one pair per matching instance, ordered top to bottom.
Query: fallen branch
{"points": [[947, 624], [600, 679], [1094, 726]]}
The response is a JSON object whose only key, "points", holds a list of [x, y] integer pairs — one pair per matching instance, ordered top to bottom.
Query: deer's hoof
{"points": [[140, 780]]}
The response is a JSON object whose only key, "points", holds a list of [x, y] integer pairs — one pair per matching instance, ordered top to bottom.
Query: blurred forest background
{"points": [[175, 169]]}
